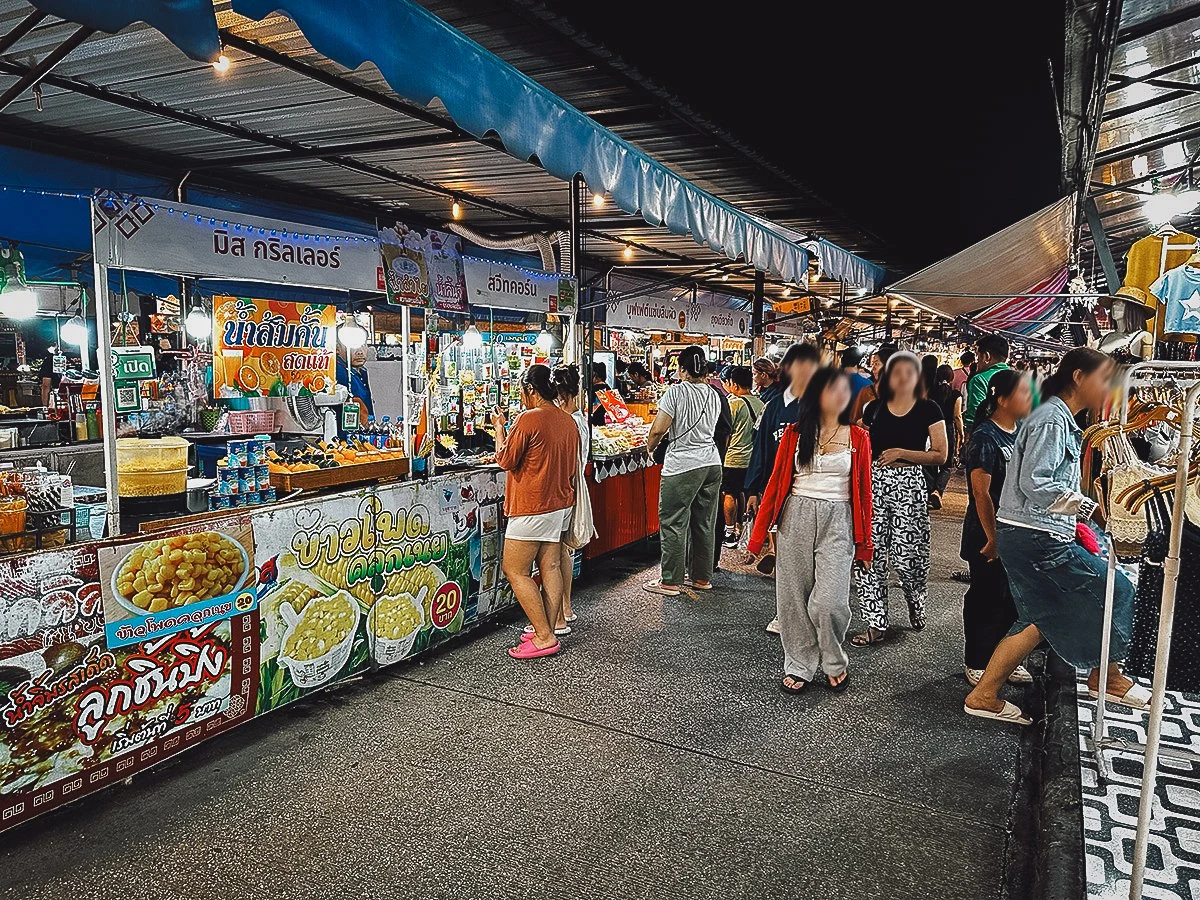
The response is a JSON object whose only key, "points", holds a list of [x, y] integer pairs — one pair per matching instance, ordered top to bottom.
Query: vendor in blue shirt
{"points": [[852, 359], [354, 377]]}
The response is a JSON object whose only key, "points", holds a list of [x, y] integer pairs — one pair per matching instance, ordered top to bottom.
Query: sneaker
{"points": [[731, 539], [773, 627], [973, 675], [1020, 675]]}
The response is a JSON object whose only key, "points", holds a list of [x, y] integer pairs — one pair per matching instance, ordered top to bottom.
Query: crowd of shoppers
{"points": [[838, 472]]}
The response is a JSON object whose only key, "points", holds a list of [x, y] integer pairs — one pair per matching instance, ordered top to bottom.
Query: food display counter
{"points": [[623, 481], [118, 655]]}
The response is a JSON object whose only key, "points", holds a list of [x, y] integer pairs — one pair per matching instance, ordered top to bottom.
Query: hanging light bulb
{"points": [[222, 65], [598, 200], [456, 210], [627, 252], [725, 276], [787, 292], [18, 303], [198, 325], [74, 331], [351, 334], [472, 338], [545, 340]]}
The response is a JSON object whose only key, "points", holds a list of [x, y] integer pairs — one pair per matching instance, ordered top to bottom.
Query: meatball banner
{"points": [[78, 715]]}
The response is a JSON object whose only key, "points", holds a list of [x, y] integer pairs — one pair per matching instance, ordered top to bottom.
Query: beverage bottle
{"points": [[385, 433], [369, 437]]}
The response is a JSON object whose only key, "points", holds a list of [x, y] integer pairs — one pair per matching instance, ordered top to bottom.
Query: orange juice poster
{"points": [[271, 348]]}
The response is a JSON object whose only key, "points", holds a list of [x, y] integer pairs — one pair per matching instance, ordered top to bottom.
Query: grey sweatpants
{"points": [[687, 523], [815, 547]]}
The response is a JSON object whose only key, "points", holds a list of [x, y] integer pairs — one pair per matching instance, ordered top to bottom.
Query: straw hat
{"points": [[1130, 294]]}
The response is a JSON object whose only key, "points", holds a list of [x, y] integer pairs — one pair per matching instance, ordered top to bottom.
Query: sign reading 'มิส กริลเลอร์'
{"points": [[272, 348]]}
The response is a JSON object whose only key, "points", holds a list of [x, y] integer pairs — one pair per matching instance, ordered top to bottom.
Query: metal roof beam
{"points": [[1166, 20], [21, 29], [36, 74], [1160, 140], [377, 146]]}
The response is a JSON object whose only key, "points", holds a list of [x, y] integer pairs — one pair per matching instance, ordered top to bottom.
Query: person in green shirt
{"points": [[992, 358], [746, 407]]}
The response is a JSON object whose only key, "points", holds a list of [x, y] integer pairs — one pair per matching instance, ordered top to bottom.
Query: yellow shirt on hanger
{"points": [[1144, 259]]}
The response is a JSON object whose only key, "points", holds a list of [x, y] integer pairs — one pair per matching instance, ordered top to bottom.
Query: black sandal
{"points": [[766, 565], [869, 637], [798, 685], [840, 687]]}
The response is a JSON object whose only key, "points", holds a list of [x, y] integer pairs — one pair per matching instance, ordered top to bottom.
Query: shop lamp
{"points": [[222, 65], [598, 200], [456, 210], [628, 251], [787, 292], [17, 301], [198, 325], [74, 331], [352, 335], [472, 339], [545, 340]]}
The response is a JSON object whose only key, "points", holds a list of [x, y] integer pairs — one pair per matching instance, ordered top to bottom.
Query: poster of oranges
{"points": [[272, 348]]}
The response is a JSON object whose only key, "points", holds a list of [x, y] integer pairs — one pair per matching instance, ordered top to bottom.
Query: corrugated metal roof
{"points": [[1149, 129], [328, 134]]}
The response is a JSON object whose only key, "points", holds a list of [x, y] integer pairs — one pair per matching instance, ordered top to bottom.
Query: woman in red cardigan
{"points": [[819, 497]]}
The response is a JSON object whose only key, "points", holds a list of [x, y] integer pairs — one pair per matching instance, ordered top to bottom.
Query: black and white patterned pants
{"points": [[900, 532]]}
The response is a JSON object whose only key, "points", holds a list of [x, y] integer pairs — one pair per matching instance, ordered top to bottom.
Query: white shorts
{"points": [[545, 527]]}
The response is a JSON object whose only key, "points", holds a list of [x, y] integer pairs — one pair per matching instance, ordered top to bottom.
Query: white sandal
{"points": [[657, 587], [1137, 697], [1010, 713]]}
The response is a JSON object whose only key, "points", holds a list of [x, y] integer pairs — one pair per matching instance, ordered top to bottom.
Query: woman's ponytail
{"points": [[1081, 359], [539, 378], [1002, 384]]}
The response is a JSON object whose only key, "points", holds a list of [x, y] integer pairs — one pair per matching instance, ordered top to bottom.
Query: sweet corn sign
{"points": [[271, 348], [371, 579]]}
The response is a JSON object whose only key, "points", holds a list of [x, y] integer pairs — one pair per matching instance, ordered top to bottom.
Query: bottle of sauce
{"points": [[81, 431]]}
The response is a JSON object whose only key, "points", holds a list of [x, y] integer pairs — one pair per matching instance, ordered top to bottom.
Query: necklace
{"points": [[832, 440]]}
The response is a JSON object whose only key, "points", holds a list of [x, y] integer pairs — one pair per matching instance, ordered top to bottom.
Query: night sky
{"points": [[931, 143]]}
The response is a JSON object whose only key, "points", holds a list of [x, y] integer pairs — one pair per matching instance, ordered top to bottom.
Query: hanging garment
{"points": [[1145, 257], [1179, 291], [1183, 669]]}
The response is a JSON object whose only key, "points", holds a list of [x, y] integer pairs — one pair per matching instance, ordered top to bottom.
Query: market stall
{"points": [[623, 478]]}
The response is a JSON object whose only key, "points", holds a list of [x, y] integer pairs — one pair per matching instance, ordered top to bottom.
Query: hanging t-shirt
{"points": [[1145, 257], [1179, 291], [907, 432]]}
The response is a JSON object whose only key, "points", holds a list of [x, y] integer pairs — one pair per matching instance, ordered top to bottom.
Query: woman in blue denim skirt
{"points": [[1058, 586]]}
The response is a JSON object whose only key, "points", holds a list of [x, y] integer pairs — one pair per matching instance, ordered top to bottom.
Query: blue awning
{"points": [[422, 57]]}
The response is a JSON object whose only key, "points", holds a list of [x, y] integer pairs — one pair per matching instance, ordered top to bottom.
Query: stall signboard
{"points": [[173, 238], [404, 252], [447, 284], [503, 286], [655, 314], [272, 348], [133, 363], [613, 404], [372, 578], [176, 580], [78, 715]]}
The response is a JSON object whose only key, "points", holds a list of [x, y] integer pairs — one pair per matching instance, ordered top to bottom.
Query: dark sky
{"points": [[931, 127]]}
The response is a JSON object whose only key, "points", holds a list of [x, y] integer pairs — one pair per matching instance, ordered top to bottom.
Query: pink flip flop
{"points": [[529, 650]]}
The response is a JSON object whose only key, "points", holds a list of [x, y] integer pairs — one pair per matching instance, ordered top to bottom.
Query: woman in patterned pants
{"points": [[907, 432]]}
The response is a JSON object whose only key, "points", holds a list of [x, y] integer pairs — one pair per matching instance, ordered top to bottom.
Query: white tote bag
{"points": [[583, 528]]}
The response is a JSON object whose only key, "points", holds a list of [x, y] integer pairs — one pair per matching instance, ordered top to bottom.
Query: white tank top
{"points": [[828, 478]]}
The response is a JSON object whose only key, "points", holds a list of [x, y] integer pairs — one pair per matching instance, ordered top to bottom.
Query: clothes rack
{"points": [[1184, 376]]}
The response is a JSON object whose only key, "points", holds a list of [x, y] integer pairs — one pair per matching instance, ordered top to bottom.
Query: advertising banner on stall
{"points": [[150, 235], [405, 265], [447, 284], [510, 287], [654, 314], [272, 348], [371, 578], [175, 581], [77, 715]]}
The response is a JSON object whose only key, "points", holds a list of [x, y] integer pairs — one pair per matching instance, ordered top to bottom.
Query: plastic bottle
{"points": [[93, 425], [81, 432], [385, 432], [369, 435]]}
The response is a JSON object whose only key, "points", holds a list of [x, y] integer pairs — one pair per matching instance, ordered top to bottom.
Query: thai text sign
{"points": [[176, 238], [511, 287], [653, 314], [271, 348]]}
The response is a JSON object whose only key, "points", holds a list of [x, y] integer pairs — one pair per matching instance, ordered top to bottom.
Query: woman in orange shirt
{"points": [[541, 455]]}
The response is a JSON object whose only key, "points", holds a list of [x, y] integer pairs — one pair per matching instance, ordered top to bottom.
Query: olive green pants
{"points": [[687, 523]]}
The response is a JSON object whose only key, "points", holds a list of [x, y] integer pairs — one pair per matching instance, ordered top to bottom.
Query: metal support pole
{"points": [[35, 75], [1100, 242], [756, 313], [570, 332], [405, 379], [108, 402]]}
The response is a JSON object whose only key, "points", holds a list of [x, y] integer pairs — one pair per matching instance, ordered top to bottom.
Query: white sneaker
{"points": [[773, 627], [973, 675], [1020, 675]]}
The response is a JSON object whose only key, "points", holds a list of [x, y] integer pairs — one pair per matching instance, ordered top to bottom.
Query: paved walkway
{"points": [[655, 759]]}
